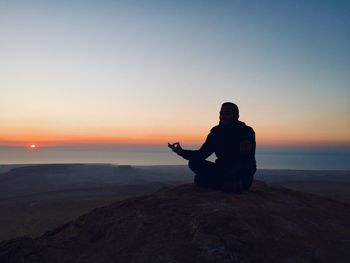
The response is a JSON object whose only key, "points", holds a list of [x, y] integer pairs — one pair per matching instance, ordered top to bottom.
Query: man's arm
{"points": [[247, 146], [204, 152]]}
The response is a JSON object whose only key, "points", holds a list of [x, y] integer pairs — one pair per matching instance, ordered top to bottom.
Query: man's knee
{"points": [[195, 165]]}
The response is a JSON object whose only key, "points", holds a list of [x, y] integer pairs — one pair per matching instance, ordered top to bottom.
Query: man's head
{"points": [[229, 113]]}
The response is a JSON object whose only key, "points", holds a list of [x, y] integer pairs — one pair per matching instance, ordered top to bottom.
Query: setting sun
{"points": [[32, 146]]}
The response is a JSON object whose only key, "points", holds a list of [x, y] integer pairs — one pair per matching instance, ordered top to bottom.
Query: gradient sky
{"points": [[158, 71]]}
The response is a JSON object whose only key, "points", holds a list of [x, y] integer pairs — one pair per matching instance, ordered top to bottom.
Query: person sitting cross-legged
{"points": [[233, 142]]}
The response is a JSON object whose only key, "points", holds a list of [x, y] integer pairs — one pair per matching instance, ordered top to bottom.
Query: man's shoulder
{"points": [[241, 126], [245, 127], [215, 128]]}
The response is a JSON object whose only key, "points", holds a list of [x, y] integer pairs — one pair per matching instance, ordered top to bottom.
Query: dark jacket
{"points": [[224, 141]]}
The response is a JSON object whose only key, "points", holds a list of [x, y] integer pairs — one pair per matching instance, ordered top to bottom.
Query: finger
{"points": [[171, 147]]}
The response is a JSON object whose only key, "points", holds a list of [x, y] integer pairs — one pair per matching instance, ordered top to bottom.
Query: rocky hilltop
{"points": [[190, 224]]}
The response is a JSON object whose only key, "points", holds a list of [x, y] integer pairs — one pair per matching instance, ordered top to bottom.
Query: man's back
{"points": [[227, 140]]}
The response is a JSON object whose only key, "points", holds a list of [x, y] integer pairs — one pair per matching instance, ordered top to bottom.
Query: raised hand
{"points": [[176, 147]]}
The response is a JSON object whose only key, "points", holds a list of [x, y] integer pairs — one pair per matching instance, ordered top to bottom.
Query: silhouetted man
{"points": [[233, 143]]}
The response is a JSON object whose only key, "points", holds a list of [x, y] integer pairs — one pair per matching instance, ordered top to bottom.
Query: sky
{"points": [[148, 72]]}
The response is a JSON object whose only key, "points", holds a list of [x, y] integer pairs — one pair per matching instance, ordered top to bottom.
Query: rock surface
{"points": [[190, 224]]}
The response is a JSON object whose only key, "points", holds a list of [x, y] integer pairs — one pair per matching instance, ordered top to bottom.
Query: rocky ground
{"points": [[190, 224]]}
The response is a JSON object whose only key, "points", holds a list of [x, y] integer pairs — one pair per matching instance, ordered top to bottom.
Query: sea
{"points": [[295, 158], [306, 158]]}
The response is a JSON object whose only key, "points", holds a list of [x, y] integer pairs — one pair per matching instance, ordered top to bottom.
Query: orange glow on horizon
{"points": [[264, 137], [158, 140], [53, 141]]}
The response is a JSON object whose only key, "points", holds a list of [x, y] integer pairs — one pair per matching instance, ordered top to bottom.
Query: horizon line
{"points": [[83, 144]]}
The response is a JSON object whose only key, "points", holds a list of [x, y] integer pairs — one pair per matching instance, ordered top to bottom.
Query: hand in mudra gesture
{"points": [[176, 147]]}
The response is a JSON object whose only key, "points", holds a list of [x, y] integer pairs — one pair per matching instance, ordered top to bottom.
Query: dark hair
{"points": [[233, 106]]}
